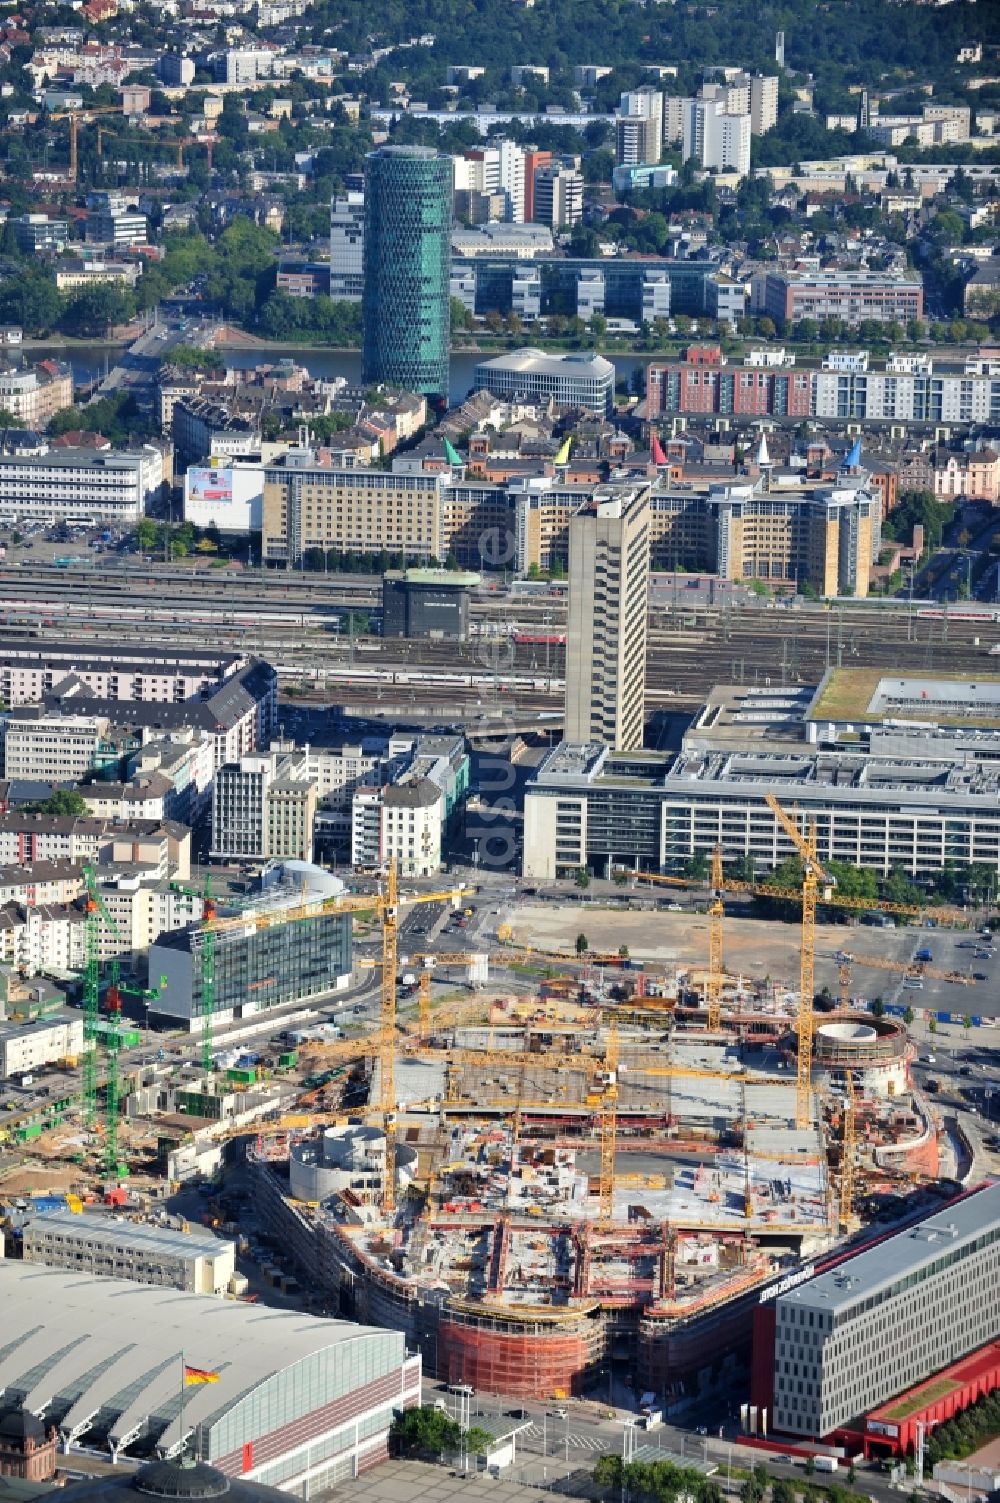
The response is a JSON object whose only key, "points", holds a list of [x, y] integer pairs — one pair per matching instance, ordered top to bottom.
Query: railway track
{"points": [[299, 624]]}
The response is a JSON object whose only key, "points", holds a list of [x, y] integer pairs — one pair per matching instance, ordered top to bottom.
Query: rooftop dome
{"points": [[187, 1479]]}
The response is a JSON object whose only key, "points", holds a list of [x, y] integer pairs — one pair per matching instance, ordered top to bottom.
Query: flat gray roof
{"points": [[107, 1230], [877, 1268], [124, 1342]]}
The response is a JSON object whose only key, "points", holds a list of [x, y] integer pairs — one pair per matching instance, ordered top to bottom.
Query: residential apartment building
{"points": [[639, 128], [715, 139], [495, 172], [558, 196], [347, 247], [852, 296], [704, 382], [33, 394], [973, 474], [79, 485], [606, 630], [124, 672], [263, 808], [409, 818], [161, 845], [143, 908], [43, 939], [94, 1245], [887, 1318]]}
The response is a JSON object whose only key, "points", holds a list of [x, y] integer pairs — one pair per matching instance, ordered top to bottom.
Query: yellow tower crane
{"points": [[813, 874], [716, 919], [609, 1127], [847, 1155]]}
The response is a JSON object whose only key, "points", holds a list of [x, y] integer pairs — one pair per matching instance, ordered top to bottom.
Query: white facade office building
{"points": [[558, 196], [347, 247], [78, 485], [886, 1319]]}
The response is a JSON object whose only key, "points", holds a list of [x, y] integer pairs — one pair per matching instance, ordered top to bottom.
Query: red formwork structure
{"points": [[528, 1354]]}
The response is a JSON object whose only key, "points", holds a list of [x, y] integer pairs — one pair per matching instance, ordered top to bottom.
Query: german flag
{"points": [[198, 1375]]}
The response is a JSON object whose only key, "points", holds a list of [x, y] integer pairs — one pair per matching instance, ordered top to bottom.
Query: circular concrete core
{"points": [[848, 1033]]}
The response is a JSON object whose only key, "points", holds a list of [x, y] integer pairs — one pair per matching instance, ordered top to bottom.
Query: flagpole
{"points": [[181, 1454]]}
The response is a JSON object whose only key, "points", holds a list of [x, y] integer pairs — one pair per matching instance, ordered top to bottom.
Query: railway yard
{"points": [[303, 624]]}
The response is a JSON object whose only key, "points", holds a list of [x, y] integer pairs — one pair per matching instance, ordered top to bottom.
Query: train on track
{"points": [[431, 677]]}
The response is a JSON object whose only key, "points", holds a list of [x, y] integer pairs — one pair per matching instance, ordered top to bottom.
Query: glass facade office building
{"points": [[405, 305], [255, 968]]}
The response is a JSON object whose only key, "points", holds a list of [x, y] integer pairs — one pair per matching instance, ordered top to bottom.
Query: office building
{"points": [[176, 72], [639, 128], [715, 139], [533, 160], [558, 198], [117, 230], [37, 232], [522, 242], [347, 247], [73, 275], [490, 280], [852, 296], [406, 309], [569, 380], [35, 393], [79, 485], [430, 603], [606, 631], [52, 748], [897, 777], [263, 808], [284, 947], [26, 1047], [193, 1260], [886, 1318], [303, 1403]]}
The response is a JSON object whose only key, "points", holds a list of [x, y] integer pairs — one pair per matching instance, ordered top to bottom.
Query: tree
{"points": [[146, 534], [63, 801], [582, 878], [582, 943], [623, 952], [878, 1008], [908, 1016], [932, 1025], [425, 1432], [477, 1440], [810, 1467], [608, 1474]]}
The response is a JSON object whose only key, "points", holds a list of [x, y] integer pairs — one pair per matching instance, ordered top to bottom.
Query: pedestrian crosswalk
{"points": [[556, 1439]]}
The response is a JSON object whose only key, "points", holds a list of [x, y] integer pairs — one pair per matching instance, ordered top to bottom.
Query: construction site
{"points": [[598, 1170]]}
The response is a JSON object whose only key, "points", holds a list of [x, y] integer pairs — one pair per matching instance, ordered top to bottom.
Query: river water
{"points": [[90, 361]]}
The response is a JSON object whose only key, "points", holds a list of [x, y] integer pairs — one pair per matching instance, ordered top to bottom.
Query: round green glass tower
{"points": [[405, 305]]}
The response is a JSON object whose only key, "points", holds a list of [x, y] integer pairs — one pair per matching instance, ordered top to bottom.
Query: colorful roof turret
{"points": [[656, 449], [451, 454], [563, 456], [853, 459]]}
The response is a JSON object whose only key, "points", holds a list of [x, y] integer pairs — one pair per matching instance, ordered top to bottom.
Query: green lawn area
{"points": [[848, 693], [929, 1394]]}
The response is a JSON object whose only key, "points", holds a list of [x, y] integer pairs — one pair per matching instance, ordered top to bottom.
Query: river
{"points": [[90, 361]]}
